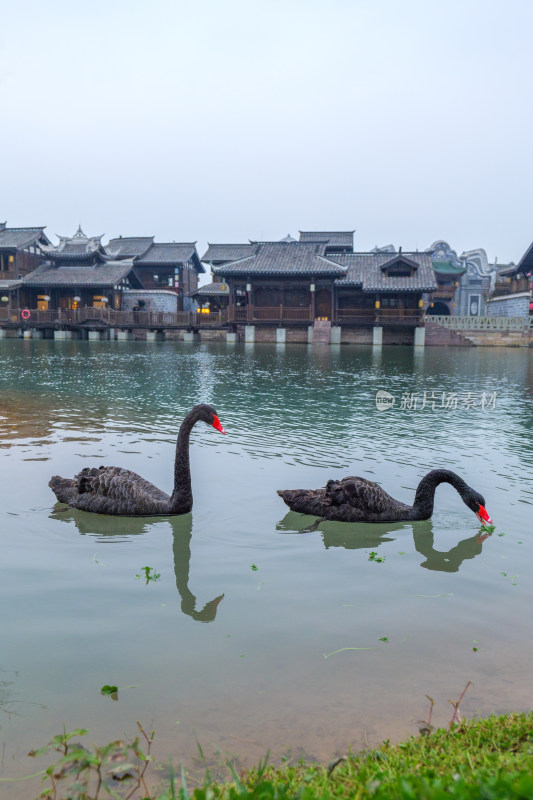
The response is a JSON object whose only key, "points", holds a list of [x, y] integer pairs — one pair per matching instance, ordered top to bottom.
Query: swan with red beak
{"points": [[216, 424], [483, 516]]}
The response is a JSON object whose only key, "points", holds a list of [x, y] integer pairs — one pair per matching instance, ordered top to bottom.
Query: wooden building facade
{"points": [[20, 251], [173, 266], [80, 272], [321, 279], [512, 294]]}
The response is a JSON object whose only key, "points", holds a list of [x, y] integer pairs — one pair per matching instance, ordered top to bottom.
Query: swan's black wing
{"points": [[117, 483], [110, 490], [361, 494], [351, 499]]}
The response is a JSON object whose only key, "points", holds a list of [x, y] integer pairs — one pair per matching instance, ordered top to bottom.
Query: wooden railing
{"points": [[511, 286], [238, 314], [269, 314], [277, 314], [356, 316], [398, 316], [112, 318]]}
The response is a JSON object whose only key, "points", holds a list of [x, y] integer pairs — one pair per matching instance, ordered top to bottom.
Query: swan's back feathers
{"points": [[110, 490], [367, 496], [351, 499]]}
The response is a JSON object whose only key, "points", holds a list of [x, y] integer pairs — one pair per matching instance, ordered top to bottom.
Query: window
{"points": [[399, 273]]}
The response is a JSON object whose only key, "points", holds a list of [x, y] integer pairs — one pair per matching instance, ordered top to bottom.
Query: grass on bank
{"points": [[490, 759]]}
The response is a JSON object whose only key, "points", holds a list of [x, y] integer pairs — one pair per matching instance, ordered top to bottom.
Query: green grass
{"points": [[489, 759]]}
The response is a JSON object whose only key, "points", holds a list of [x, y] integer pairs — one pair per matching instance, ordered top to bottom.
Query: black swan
{"points": [[113, 490], [359, 500]]}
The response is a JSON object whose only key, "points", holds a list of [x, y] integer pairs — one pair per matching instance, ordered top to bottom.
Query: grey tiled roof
{"points": [[21, 237], [333, 238], [129, 246], [78, 247], [73, 251], [227, 252], [171, 253], [283, 258], [354, 266], [366, 270], [108, 274], [8, 285], [211, 289]]}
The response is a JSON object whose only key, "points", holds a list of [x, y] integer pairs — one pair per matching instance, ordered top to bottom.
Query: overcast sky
{"points": [[408, 120]]}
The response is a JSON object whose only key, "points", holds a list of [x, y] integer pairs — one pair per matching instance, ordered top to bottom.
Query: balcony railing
{"points": [[511, 286], [269, 314], [356, 316], [398, 316], [110, 317]]}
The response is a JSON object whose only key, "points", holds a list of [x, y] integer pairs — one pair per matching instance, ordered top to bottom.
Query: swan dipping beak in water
{"points": [[357, 499], [483, 516]]}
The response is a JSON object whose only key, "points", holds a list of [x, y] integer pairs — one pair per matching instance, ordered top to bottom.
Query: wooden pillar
{"points": [[249, 295], [231, 302]]}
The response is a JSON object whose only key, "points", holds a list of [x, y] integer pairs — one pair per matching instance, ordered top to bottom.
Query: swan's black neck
{"points": [[181, 499], [422, 507]]}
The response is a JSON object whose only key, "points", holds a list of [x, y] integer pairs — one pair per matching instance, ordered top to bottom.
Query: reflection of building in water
{"points": [[24, 415], [120, 528], [356, 536]]}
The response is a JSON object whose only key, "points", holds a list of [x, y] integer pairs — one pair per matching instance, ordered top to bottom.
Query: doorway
{"points": [[323, 304]]}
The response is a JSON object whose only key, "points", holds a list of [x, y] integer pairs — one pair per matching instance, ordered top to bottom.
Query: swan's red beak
{"points": [[216, 424], [483, 516]]}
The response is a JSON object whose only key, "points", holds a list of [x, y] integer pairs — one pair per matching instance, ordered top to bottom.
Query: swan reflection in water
{"points": [[119, 528], [355, 536]]}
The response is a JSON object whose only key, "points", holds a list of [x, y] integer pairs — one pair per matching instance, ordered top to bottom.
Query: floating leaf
{"points": [[150, 574], [107, 689]]}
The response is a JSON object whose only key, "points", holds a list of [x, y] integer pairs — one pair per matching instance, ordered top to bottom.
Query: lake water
{"points": [[272, 665]]}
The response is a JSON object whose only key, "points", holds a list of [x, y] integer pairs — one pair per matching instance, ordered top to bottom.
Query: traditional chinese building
{"points": [[335, 241], [20, 250], [20, 253], [172, 266], [448, 271], [81, 272], [78, 273], [319, 282], [384, 288], [512, 292]]}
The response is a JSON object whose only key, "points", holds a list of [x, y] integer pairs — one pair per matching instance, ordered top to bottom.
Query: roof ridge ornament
{"points": [[79, 234]]}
